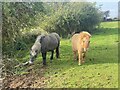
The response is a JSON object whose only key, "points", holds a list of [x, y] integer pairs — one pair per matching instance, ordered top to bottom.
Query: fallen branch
{"points": [[22, 64]]}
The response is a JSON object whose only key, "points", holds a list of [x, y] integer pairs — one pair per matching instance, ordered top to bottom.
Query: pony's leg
{"points": [[52, 52], [57, 52], [79, 56], [75, 57], [83, 57], [44, 58], [32, 59]]}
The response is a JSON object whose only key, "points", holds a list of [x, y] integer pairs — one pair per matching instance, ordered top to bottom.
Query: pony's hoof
{"points": [[83, 61], [26, 63], [31, 63], [79, 64], [44, 65]]}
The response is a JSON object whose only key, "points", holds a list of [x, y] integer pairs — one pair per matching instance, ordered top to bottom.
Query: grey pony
{"points": [[44, 44]]}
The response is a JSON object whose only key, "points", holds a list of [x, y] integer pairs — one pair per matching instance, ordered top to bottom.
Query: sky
{"points": [[111, 5]]}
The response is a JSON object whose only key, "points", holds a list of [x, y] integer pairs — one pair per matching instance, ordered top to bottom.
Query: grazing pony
{"points": [[44, 44], [80, 44]]}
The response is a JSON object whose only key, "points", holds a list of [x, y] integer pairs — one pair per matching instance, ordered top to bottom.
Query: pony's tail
{"points": [[75, 32]]}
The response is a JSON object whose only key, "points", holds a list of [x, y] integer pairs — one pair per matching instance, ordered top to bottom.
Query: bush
{"points": [[17, 16], [71, 17], [63, 18]]}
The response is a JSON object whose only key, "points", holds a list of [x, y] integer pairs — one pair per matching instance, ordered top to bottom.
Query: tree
{"points": [[106, 14], [16, 16], [61, 17], [65, 18]]}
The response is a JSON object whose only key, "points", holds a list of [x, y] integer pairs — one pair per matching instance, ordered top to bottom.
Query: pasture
{"points": [[100, 69]]}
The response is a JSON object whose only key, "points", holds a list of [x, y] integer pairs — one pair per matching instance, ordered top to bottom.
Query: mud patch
{"points": [[30, 80]]}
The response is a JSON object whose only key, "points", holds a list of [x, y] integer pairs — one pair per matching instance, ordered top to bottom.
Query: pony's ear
{"points": [[89, 35], [41, 39]]}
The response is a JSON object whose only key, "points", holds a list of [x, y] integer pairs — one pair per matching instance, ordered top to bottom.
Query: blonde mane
{"points": [[84, 32]]}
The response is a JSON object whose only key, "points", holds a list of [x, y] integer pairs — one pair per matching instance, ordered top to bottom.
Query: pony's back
{"points": [[56, 35], [51, 41], [75, 41]]}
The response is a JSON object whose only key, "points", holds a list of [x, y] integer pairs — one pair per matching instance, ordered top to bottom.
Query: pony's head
{"points": [[85, 40], [36, 48], [34, 51]]}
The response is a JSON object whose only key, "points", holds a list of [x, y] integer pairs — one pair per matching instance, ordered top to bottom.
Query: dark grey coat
{"points": [[50, 42], [43, 44]]}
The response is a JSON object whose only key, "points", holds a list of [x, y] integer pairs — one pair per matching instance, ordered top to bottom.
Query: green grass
{"points": [[109, 24], [99, 71]]}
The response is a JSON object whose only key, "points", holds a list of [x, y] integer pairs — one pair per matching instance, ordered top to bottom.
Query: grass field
{"points": [[99, 71]]}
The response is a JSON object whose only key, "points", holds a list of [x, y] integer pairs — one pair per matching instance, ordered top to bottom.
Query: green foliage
{"points": [[16, 16], [61, 17], [66, 18]]}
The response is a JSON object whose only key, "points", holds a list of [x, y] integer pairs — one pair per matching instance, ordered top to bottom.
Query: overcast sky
{"points": [[111, 5]]}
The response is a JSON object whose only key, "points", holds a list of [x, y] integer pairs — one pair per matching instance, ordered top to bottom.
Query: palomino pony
{"points": [[80, 45]]}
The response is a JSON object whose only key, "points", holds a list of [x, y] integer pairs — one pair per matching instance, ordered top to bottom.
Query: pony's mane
{"points": [[84, 32], [39, 37]]}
